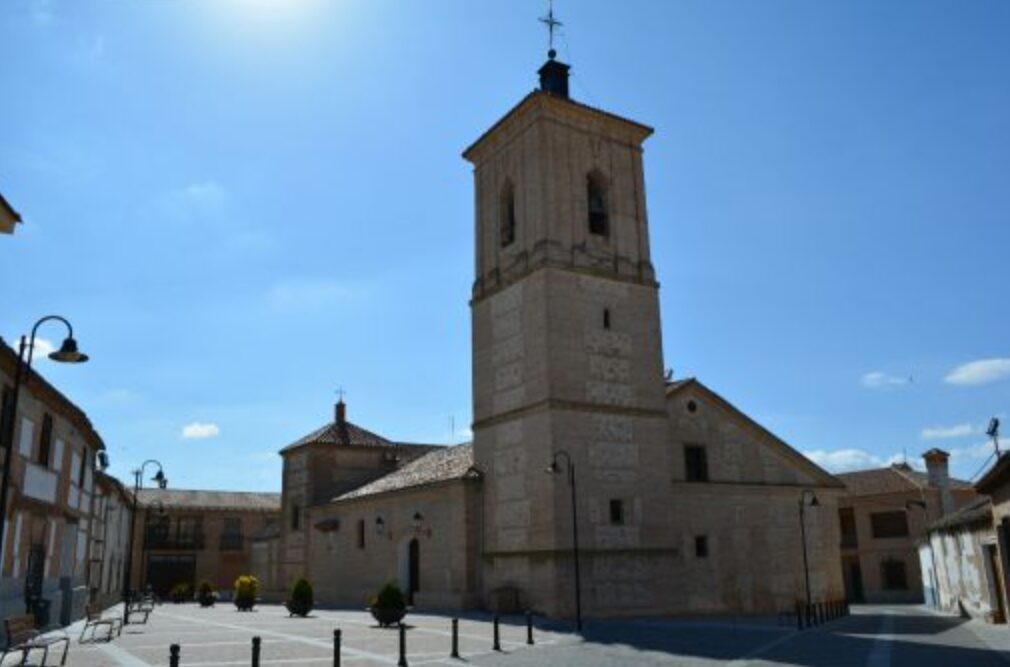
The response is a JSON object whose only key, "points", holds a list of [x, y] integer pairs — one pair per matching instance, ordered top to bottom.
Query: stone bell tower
{"points": [[567, 354]]}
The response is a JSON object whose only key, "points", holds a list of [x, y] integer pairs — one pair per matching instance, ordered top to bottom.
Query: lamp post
{"points": [[67, 353], [554, 469], [138, 484], [803, 535], [932, 553]]}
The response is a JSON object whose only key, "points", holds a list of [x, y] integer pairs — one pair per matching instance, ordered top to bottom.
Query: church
{"points": [[594, 485]]}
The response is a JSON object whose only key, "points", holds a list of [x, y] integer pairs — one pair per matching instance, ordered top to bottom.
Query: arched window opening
{"points": [[596, 200], [507, 227], [606, 318]]}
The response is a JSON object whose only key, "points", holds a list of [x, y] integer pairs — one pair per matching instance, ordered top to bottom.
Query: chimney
{"points": [[341, 412], [939, 478]]}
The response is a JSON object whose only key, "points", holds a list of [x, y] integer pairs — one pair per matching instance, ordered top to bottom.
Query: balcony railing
{"points": [[169, 541], [231, 543]]}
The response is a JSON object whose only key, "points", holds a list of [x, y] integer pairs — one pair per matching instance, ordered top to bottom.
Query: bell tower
{"points": [[567, 352]]}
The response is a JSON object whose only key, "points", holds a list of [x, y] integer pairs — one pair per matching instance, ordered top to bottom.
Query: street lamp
{"points": [[68, 353], [554, 469], [138, 484], [803, 535], [932, 553]]}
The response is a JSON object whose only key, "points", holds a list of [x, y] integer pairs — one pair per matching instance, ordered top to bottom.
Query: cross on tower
{"points": [[551, 24], [340, 394]]}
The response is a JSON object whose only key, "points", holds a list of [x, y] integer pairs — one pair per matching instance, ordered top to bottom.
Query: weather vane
{"points": [[551, 24], [340, 394]]}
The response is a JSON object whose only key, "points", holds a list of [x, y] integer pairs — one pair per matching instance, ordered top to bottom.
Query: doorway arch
{"points": [[410, 567]]}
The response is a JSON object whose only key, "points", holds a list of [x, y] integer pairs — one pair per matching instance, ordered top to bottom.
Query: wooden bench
{"points": [[94, 619], [24, 637]]}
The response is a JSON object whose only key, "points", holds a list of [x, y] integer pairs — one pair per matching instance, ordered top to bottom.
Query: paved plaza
{"points": [[874, 636]]}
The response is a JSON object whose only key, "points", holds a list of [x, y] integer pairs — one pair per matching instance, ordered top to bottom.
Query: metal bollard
{"points": [[808, 615], [799, 616], [529, 628], [455, 638], [497, 641], [403, 646], [336, 648], [256, 651], [173, 655]]}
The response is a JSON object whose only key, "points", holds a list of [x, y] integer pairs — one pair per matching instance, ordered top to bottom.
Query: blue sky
{"points": [[244, 205]]}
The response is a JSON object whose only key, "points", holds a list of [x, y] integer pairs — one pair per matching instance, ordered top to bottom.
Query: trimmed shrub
{"points": [[247, 588], [181, 592], [206, 595], [300, 602], [389, 604]]}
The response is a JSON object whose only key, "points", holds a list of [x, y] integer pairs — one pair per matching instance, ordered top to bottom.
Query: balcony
{"points": [[40, 483], [167, 541]]}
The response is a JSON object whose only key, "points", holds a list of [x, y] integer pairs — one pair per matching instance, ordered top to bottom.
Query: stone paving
{"points": [[223, 636], [874, 636]]}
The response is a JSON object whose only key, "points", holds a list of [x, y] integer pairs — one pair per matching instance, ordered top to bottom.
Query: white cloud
{"points": [[982, 371], [880, 379], [200, 430], [945, 432], [976, 452], [847, 460]]}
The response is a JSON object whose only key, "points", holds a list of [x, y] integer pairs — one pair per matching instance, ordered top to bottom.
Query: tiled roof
{"points": [[42, 390], [345, 433], [443, 464], [995, 476], [896, 478], [248, 501], [977, 511]]}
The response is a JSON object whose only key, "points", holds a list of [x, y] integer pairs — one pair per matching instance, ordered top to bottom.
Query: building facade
{"points": [[682, 502], [112, 512], [882, 516], [47, 536], [189, 537]]}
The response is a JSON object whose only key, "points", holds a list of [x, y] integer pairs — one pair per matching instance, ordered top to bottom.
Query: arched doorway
{"points": [[413, 569]]}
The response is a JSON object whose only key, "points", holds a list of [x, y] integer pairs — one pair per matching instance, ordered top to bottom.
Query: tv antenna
{"points": [[993, 432]]}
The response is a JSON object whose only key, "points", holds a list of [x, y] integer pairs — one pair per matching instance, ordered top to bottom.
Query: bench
{"points": [[141, 605], [94, 620], [24, 637]]}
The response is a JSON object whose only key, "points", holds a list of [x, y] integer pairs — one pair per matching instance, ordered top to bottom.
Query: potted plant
{"points": [[247, 588], [181, 592], [206, 595], [300, 602], [388, 605]]}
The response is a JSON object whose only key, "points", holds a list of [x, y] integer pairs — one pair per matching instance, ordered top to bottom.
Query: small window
{"points": [[596, 202], [507, 227], [606, 318], [692, 407], [45, 440], [695, 463], [84, 467], [617, 512], [296, 517], [889, 524], [361, 533], [701, 546], [893, 574]]}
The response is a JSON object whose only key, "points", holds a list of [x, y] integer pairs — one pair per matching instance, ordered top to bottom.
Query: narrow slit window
{"points": [[596, 201], [507, 228], [606, 318], [695, 464], [617, 512], [361, 533], [701, 546]]}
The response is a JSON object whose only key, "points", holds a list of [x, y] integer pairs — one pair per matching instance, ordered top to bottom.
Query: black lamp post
{"points": [[67, 353], [554, 469], [138, 484], [803, 535]]}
